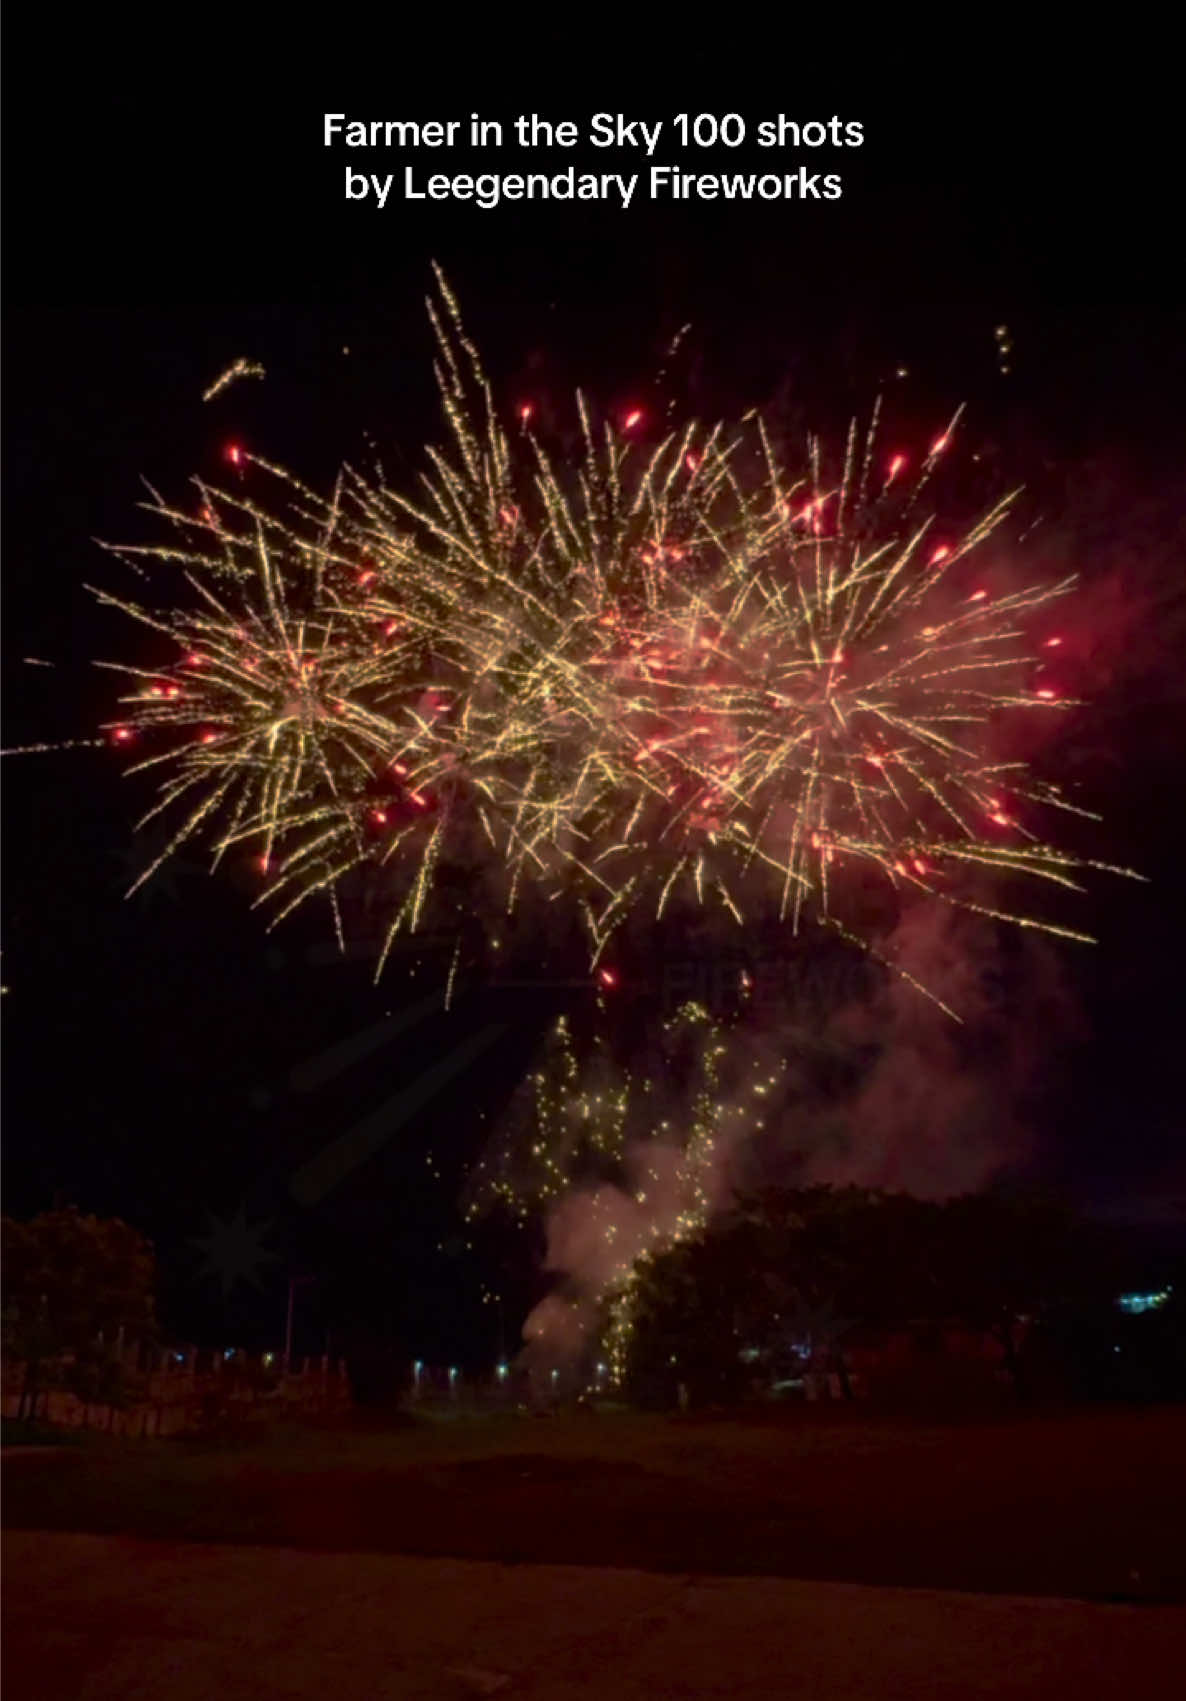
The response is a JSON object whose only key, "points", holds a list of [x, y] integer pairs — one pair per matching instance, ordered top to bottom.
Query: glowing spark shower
{"points": [[662, 675], [626, 1157]]}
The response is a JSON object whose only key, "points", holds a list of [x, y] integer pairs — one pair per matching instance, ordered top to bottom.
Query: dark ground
{"points": [[1087, 1504]]}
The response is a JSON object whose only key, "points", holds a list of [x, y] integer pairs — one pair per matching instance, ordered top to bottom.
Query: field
{"points": [[1087, 1504]]}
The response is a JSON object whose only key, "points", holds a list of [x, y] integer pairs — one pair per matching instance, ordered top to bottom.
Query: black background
{"points": [[170, 207]]}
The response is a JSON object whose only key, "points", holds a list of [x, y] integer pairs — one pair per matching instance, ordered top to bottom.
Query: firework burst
{"points": [[683, 674]]}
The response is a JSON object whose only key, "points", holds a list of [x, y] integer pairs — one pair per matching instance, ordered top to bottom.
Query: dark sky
{"points": [[170, 208]]}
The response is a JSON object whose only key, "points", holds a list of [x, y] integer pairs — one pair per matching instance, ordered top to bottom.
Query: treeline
{"points": [[791, 1279]]}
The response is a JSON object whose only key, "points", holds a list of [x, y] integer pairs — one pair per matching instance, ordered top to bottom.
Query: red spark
{"points": [[526, 409], [632, 419], [940, 443], [234, 454], [691, 460], [895, 467], [508, 516], [940, 554], [977, 596], [1052, 643], [195, 661], [1047, 695], [122, 735], [209, 737], [399, 767], [419, 799], [379, 817], [1001, 819], [264, 863], [920, 866], [607, 977]]}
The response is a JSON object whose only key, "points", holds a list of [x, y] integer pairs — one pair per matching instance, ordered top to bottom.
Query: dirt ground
{"points": [[1086, 1505], [94, 1618]]}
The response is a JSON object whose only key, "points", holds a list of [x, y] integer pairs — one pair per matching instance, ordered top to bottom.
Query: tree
{"points": [[1003, 1259], [785, 1273], [71, 1284], [688, 1308]]}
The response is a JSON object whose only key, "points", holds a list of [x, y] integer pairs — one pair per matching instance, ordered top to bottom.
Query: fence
{"points": [[182, 1392]]}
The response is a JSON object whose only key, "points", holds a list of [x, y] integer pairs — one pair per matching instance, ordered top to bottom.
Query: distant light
{"points": [[1136, 1303], [417, 1367], [502, 1372]]}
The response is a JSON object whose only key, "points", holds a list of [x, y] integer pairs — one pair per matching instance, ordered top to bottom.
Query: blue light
{"points": [[1136, 1303]]}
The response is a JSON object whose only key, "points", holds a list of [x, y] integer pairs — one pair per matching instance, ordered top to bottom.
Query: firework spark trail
{"points": [[241, 368], [657, 676], [625, 1160]]}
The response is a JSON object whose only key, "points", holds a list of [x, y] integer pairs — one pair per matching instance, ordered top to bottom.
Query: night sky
{"points": [[168, 1061]]}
